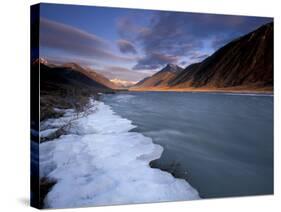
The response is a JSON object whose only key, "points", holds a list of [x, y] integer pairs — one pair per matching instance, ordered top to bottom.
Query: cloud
{"points": [[127, 28], [181, 34], [72, 41], [219, 41], [126, 47], [198, 56], [154, 61], [183, 63]]}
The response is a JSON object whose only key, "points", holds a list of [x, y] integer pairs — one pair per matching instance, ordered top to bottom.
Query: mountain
{"points": [[40, 60], [246, 63], [92, 74], [69, 76], [161, 78], [123, 83], [65, 86]]}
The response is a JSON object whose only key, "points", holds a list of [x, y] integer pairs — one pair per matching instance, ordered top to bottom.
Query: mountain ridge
{"points": [[245, 63], [65, 71], [160, 78]]}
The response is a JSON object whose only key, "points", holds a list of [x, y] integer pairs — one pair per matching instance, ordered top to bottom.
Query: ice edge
{"points": [[101, 162]]}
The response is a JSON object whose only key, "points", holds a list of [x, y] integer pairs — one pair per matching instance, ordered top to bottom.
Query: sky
{"points": [[130, 44]]}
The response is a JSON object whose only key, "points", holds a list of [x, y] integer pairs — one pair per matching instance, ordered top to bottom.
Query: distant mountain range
{"points": [[244, 64], [70, 75], [122, 83]]}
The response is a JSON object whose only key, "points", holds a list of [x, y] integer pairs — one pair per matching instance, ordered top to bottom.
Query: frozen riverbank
{"points": [[100, 162]]}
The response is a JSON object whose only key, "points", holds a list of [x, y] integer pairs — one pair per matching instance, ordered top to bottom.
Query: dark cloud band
{"points": [[182, 34], [76, 42], [126, 47]]}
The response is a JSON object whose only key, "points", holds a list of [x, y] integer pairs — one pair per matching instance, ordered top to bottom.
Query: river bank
{"points": [[242, 90], [100, 157]]}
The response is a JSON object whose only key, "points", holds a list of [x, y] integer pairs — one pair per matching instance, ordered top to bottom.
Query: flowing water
{"points": [[222, 144]]}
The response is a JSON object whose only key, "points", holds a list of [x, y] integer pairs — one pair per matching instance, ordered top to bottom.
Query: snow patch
{"points": [[100, 162]]}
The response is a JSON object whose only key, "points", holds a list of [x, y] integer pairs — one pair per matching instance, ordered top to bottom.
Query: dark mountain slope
{"points": [[245, 62], [92, 74], [58, 77], [161, 78], [142, 81], [64, 87]]}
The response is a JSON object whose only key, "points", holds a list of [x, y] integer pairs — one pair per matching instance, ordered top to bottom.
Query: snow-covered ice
{"points": [[100, 162]]}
